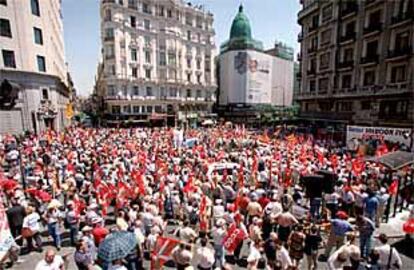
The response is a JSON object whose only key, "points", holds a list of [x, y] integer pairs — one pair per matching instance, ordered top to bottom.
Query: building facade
{"points": [[158, 61], [356, 62], [33, 64], [252, 78]]}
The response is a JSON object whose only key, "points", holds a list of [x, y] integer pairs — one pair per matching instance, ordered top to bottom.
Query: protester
{"points": [[388, 255], [51, 261]]}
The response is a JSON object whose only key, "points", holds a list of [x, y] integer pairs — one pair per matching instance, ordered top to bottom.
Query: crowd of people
{"points": [[226, 197]]}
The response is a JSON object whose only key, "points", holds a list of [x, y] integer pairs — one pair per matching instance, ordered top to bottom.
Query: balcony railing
{"points": [[351, 7], [409, 15], [373, 27], [347, 36], [109, 38], [312, 49], [405, 51], [369, 59], [346, 64], [311, 71]]}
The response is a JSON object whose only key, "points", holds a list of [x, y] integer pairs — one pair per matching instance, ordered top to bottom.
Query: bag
{"points": [[27, 232]]}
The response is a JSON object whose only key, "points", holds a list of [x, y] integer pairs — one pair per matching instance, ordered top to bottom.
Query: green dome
{"points": [[240, 28]]}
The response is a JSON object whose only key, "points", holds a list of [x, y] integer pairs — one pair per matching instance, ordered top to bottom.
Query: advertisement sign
{"points": [[245, 77], [356, 135], [6, 238]]}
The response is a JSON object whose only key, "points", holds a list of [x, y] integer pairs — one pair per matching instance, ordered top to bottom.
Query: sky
{"points": [[270, 20]]}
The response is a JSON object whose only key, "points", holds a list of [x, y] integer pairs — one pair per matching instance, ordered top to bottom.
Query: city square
{"points": [[164, 134]]}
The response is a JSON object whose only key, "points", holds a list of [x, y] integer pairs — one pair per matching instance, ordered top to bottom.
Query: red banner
{"points": [[233, 238], [162, 251]]}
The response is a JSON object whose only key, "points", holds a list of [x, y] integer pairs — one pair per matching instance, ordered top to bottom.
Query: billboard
{"points": [[245, 77], [355, 135]]}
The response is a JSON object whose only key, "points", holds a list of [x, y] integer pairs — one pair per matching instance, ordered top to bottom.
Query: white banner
{"points": [[355, 135], [6, 238]]}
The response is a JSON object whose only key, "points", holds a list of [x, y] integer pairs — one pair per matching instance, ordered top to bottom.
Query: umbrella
{"points": [[8, 184], [117, 246]]}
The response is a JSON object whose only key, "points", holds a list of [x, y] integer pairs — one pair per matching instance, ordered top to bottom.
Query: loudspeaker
{"points": [[330, 180], [313, 185]]}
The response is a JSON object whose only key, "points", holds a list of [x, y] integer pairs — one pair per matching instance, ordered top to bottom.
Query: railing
{"points": [[351, 7], [403, 17], [372, 27], [347, 36], [405, 51], [369, 59], [345, 64]]}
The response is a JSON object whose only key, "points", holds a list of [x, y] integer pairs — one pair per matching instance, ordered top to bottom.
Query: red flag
{"points": [[382, 149], [334, 161], [358, 165], [241, 176], [140, 182], [189, 185], [393, 188], [203, 205], [233, 238], [162, 251]]}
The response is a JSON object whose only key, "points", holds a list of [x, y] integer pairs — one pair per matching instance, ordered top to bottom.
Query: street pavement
{"points": [[393, 229]]}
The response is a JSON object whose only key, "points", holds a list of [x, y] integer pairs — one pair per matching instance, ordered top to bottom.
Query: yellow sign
{"points": [[69, 111]]}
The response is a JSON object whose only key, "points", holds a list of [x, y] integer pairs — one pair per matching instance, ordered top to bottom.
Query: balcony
{"points": [[108, 1], [350, 8], [403, 17], [313, 27], [373, 27], [300, 37], [347, 37], [109, 38], [312, 49], [400, 52], [299, 57], [370, 59], [346, 64], [311, 71], [328, 115]]}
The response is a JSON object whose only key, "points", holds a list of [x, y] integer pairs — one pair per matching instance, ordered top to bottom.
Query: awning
{"points": [[395, 160]]}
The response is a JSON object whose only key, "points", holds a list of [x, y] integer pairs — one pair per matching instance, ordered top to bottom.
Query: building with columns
{"points": [[157, 62], [357, 62], [33, 66]]}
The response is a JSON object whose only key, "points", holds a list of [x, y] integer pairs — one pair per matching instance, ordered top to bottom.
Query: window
{"points": [[3, 2], [121, 2], [35, 7], [146, 8], [161, 11], [169, 13], [326, 13], [108, 15], [133, 21], [147, 24], [350, 28], [5, 30], [109, 33], [188, 35], [38, 36], [198, 37], [326, 37], [147, 41], [402, 41], [372, 48], [109, 51], [134, 54], [348, 54], [147, 57], [8, 59], [163, 59], [171, 59], [324, 60], [188, 62], [41, 63], [198, 63], [134, 72], [148, 73], [162, 74], [172, 74], [398, 74], [188, 77], [369, 77], [199, 78], [346, 81], [323, 85], [111, 90], [135, 91], [149, 91], [173, 92], [45, 94], [188, 94], [365, 105], [345, 106], [116, 109], [127, 109], [135, 109], [149, 109], [158, 109], [395, 109]]}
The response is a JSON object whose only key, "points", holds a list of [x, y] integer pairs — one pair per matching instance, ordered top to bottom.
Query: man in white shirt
{"points": [[219, 232], [282, 255], [205, 256], [388, 256], [51, 261]]}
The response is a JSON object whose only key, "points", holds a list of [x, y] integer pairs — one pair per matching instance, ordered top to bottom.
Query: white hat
{"points": [[218, 201]]}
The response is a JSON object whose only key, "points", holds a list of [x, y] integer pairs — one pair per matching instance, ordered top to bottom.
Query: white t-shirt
{"points": [[32, 222], [55, 265]]}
